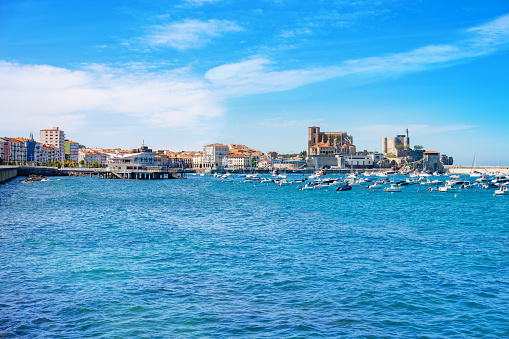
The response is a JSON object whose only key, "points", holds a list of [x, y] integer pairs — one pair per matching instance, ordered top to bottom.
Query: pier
{"points": [[10, 172], [155, 174]]}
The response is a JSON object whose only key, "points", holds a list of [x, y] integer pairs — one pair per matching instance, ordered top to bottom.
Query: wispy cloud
{"points": [[200, 2], [189, 34], [260, 75]]}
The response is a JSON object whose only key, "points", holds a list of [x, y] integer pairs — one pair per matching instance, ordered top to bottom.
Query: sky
{"points": [[181, 74]]}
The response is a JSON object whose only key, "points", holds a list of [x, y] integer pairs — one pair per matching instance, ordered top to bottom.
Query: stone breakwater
{"points": [[453, 169]]}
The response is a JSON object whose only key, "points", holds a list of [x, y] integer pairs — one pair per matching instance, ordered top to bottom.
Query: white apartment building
{"points": [[54, 137], [213, 155], [89, 156], [198, 160], [237, 161]]}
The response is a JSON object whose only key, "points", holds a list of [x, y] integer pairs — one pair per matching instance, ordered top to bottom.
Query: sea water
{"points": [[82, 257]]}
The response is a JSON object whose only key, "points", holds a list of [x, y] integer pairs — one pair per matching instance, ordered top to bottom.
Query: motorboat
{"points": [[254, 177], [483, 179], [499, 179], [266, 180], [284, 182], [427, 183], [467, 184], [375, 186], [307, 187], [344, 188], [393, 188], [447, 188], [503, 190]]}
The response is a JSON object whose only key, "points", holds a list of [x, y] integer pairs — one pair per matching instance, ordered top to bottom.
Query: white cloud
{"points": [[189, 33], [39, 95]]}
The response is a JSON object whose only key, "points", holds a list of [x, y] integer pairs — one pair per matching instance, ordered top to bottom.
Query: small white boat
{"points": [[255, 176], [265, 180], [284, 182], [427, 183], [375, 186], [307, 187], [393, 188], [447, 188], [503, 190]]}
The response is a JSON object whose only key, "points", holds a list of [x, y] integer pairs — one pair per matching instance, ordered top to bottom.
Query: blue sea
{"points": [[198, 258]]}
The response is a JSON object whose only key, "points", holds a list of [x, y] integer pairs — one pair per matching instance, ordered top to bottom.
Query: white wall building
{"points": [[54, 137], [213, 155], [237, 161]]}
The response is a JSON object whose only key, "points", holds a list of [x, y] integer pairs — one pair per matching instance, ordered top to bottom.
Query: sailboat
{"points": [[473, 172]]}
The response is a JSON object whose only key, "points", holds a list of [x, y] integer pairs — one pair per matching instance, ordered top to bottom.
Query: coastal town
{"points": [[325, 150]]}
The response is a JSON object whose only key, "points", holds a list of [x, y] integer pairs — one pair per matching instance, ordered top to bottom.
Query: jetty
{"points": [[9, 172]]}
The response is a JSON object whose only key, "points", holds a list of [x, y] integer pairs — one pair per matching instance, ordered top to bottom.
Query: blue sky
{"points": [[182, 74]]}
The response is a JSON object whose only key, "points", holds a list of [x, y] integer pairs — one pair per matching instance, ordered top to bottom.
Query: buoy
{"points": [[236, 184], [267, 188], [276, 188], [319, 188], [373, 190], [476, 190], [420, 195], [455, 195]]}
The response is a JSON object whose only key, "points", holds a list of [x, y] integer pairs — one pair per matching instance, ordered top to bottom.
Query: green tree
{"points": [[419, 147], [303, 154], [82, 162], [252, 162]]}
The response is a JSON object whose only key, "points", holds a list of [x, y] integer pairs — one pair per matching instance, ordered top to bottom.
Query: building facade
{"points": [[54, 137], [329, 143], [71, 150], [213, 155]]}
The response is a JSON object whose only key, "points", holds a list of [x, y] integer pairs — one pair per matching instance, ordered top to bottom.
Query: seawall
{"points": [[7, 173]]}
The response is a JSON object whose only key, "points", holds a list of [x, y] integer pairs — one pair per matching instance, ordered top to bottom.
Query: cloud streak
{"points": [[189, 34], [257, 75]]}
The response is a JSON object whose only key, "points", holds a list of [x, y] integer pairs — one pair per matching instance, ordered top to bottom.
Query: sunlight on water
{"points": [[197, 257]]}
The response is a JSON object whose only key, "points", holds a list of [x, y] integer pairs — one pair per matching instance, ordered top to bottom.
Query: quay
{"points": [[9, 172]]}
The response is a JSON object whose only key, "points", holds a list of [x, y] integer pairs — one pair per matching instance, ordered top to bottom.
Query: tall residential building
{"points": [[54, 137]]}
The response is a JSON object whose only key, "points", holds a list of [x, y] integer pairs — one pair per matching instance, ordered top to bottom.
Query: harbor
{"points": [[203, 255]]}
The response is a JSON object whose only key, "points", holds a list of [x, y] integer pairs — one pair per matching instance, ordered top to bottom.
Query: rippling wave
{"points": [[198, 258]]}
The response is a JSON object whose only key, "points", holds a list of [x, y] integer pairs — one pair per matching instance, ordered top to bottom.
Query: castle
{"points": [[396, 146]]}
